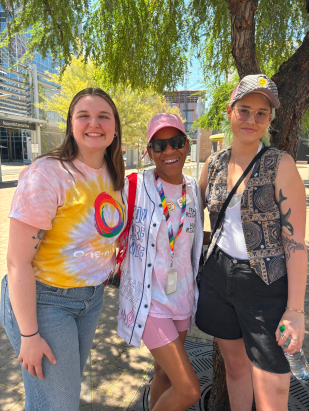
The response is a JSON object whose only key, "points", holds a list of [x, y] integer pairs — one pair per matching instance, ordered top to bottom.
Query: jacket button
{"points": [[160, 205], [154, 224], [248, 234], [152, 245], [149, 265], [148, 286], [146, 305], [139, 326]]}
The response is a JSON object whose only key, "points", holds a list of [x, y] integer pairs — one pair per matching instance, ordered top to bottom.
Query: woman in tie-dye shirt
{"points": [[66, 217]]}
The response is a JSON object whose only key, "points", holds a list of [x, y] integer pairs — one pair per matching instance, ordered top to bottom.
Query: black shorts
{"points": [[234, 302]]}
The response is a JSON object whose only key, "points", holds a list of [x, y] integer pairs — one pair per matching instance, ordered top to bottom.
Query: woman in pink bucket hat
{"points": [[254, 279], [158, 291]]}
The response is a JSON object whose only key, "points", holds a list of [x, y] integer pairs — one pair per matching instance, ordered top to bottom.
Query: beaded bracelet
{"points": [[294, 309], [30, 335]]}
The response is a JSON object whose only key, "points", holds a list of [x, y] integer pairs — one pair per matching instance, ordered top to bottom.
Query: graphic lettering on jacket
{"points": [[191, 213], [191, 228], [137, 233], [130, 289], [128, 319]]}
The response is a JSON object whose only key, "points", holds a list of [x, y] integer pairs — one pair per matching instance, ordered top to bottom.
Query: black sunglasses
{"points": [[176, 143]]}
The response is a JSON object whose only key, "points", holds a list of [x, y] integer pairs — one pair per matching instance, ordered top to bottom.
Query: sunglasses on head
{"points": [[176, 143]]}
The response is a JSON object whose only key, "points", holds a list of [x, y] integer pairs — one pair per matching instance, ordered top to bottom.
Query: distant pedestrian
{"points": [[66, 217], [254, 279], [158, 291]]}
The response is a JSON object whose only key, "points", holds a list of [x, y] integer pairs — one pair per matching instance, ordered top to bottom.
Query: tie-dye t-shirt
{"points": [[83, 220], [178, 305]]}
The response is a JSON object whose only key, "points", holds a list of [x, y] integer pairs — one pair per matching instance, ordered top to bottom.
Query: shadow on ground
{"points": [[8, 184]]}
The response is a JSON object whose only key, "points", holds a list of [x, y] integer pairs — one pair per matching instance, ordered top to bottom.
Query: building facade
{"points": [[186, 101], [22, 124]]}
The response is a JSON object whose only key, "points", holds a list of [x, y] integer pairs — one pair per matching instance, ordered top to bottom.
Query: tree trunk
{"points": [[243, 36], [292, 81], [219, 399]]}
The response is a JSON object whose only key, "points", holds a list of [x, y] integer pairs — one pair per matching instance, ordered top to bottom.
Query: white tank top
{"points": [[232, 239]]}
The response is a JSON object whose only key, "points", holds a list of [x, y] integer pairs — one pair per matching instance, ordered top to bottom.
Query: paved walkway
{"points": [[114, 371]]}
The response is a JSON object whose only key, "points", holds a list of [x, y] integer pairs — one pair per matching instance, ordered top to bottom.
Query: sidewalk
{"points": [[115, 371]]}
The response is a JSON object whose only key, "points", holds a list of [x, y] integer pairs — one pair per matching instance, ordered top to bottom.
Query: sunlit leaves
{"points": [[280, 27], [143, 42], [216, 103], [135, 107]]}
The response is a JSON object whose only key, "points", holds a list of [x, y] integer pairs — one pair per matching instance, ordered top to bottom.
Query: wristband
{"points": [[294, 309], [30, 335]]}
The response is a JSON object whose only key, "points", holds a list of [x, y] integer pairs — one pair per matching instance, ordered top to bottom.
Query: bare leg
{"points": [[238, 374], [160, 382], [185, 389], [271, 391]]}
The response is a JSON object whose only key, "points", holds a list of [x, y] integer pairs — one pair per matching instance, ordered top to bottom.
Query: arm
{"points": [[203, 181], [203, 185], [291, 197], [24, 241]]}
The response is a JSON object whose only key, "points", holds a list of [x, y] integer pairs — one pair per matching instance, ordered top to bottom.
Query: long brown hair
{"points": [[68, 150]]}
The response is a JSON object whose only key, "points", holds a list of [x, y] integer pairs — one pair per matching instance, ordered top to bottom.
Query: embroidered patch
{"points": [[262, 82]]}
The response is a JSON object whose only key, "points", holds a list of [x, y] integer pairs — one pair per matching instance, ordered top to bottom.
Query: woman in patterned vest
{"points": [[254, 278]]}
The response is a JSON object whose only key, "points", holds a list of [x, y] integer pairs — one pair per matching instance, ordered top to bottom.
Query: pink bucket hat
{"points": [[163, 120]]}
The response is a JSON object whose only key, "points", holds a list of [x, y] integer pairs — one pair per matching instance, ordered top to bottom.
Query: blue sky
{"points": [[194, 77]]}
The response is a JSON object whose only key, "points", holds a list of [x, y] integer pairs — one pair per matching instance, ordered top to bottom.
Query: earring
{"points": [[115, 135]]}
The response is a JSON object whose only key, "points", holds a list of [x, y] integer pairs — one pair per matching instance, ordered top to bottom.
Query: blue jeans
{"points": [[67, 320]]}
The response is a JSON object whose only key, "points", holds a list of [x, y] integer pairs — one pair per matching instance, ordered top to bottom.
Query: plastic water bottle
{"points": [[298, 363]]}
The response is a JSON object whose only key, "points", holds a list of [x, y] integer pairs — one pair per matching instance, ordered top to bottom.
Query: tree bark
{"points": [[243, 36], [292, 81], [219, 399]]}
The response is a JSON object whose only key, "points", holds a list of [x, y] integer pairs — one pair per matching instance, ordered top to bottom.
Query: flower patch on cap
{"points": [[262, 81]]}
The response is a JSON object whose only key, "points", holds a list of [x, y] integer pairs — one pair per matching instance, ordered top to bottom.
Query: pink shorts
{"points": [[162, 331]]}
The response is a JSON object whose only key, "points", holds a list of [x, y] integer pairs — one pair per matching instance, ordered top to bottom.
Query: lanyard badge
{"points": [[171, 282]]}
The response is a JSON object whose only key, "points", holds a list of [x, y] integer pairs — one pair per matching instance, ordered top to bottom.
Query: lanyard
{"points": [[167, 214]]}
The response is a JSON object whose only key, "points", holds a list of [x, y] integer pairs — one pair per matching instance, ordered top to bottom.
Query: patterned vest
{"points": [[260, 215]]}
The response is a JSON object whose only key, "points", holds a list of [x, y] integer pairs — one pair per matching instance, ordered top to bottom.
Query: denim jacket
{"points": [[260, 214], [135, 283]]}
